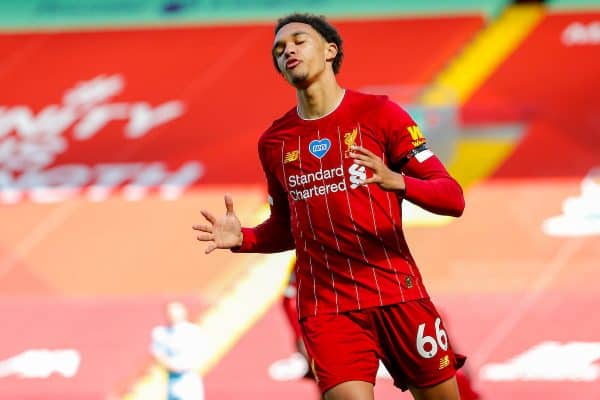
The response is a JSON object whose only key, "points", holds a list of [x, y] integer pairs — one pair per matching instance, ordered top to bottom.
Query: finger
{"points": [[364, 151], [360, 156], [368, 163], [373, 179], [229, 204], [209, 217], [202, 228], [205, 237], [210, 248]]}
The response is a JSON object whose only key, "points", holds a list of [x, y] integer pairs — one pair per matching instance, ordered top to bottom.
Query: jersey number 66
{"points": [[428, 346]]}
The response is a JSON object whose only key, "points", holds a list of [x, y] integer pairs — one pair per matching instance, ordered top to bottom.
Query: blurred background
{"points": [[120, 120]]}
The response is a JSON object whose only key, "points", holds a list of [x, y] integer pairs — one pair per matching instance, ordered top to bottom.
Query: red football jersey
{"points": [[351, 251]]}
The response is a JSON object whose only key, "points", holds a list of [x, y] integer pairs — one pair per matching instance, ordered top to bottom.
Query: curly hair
{"points": [[319, 24]]}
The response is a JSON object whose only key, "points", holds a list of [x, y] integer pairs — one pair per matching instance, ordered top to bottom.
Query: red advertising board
{"points": [[164, 109]]}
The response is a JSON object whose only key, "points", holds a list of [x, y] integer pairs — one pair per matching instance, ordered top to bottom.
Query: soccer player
{"points": [[335, 166], [180, 346]]}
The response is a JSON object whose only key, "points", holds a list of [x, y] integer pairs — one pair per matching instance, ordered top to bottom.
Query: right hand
{"points": [[222, 233]]}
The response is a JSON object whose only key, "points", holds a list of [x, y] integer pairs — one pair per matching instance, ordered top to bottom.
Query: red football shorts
{"points": [[409, 338]]}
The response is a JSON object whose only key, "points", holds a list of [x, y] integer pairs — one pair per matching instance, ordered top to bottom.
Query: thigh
{"points": [[415, 345], [341, 348], [351, 390], [447, 390]]}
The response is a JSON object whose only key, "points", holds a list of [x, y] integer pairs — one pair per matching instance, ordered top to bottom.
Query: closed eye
{"points": [[298, 37], [278, 50]]}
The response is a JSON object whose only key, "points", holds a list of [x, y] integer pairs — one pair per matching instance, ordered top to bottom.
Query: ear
{"points": [[331, 51]]}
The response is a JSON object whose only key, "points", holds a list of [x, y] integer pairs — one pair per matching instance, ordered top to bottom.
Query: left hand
{"points": [[383, 176]]}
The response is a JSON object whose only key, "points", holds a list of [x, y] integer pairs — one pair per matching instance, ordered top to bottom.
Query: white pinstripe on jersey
{"points": [[387, 195], [298, 222], [375, 228], [337, 243], [362, 250], [410, 267], [337, 305]]}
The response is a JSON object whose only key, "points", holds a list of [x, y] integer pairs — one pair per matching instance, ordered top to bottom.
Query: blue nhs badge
{"points": [[319, 148]]}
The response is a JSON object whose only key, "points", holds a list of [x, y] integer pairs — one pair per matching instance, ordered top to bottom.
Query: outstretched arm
{"points": [[273, 235]]}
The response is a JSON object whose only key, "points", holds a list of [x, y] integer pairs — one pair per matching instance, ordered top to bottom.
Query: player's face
{"points": [[301, 53]]}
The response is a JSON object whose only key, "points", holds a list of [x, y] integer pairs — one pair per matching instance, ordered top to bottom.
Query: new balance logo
{"points": [[291, 156], [444, 361]]}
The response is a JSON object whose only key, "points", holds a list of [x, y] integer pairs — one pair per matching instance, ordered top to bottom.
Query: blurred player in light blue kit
{"points": [[180, 347]]}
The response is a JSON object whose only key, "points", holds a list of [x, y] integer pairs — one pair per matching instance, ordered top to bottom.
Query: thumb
{"points": [[229, 204]]}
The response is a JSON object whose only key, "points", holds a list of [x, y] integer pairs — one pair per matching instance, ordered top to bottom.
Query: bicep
{"points": [[401, 134]]}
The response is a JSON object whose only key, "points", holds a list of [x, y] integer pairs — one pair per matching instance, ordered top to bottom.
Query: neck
{"points": [[319, 99]]}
